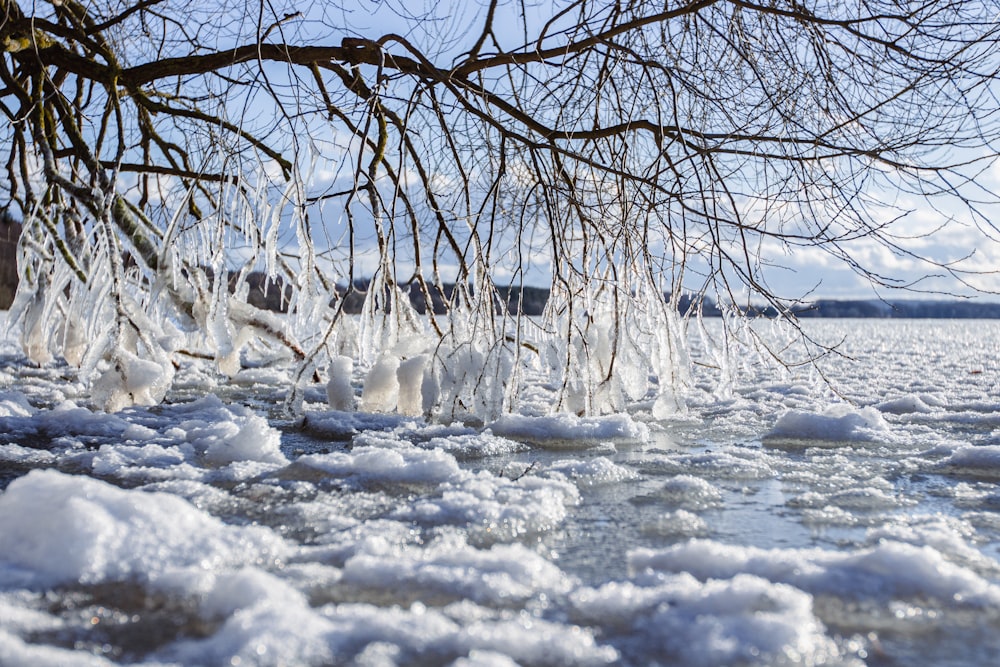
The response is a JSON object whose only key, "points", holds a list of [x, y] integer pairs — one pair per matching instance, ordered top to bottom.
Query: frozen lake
{"points": [[779, 520]]}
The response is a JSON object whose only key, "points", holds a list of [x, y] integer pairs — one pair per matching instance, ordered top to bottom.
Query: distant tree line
{"points": [[273, 295], [531, 301], [931, 309]]}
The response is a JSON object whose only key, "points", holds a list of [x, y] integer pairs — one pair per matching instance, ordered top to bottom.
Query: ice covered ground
{"points": [[774, 522]]}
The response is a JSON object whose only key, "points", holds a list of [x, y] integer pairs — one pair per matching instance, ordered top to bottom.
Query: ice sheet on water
{"points": [[15, 404], [65, 419], [362, 428], [223, 434], [475, 445], [27, 456], [139, 462], [747, 463], [690, 492], [202, 495], [863, 497], [493, 507], [829, 515], [675, 524], [62, 528], [951, 536], [17, 616], [264, 621], [267, 622], [484, 659]]}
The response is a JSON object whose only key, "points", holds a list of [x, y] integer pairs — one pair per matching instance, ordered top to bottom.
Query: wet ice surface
{"points": [[776, 523]]}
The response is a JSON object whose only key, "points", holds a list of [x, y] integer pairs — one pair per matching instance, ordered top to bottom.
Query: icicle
{"points": [[34, 336], [410, 378], [381, 389], [430, 390], [339, 392]]}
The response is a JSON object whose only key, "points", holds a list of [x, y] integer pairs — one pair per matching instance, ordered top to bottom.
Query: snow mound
{"points": [[15, 404], [905, 405], [840, 423], [566, 430], [223, 434], [974, 460], [400, 463], [598, 470], [496, 509], [61, 528], [888, 570], [503, 574], [742, 620]]}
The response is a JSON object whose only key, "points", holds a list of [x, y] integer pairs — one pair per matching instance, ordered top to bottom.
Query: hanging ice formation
{"points": [[134, 299], [600, 347]]}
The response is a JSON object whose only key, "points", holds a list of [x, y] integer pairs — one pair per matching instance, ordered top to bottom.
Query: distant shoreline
{"points": [[530, 300], [901, 309]]}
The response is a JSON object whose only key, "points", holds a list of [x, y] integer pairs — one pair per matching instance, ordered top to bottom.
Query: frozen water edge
{"points": [[201, 532]]}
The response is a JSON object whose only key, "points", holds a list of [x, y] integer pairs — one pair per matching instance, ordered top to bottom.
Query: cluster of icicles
{"points": [[597, 349]]}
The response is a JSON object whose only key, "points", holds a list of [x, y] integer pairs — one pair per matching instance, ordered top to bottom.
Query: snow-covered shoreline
{"points": [[778, 525]]}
